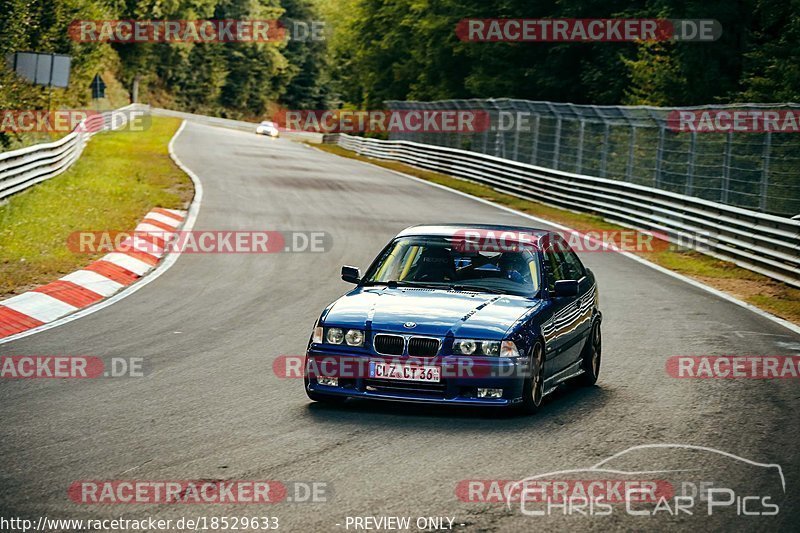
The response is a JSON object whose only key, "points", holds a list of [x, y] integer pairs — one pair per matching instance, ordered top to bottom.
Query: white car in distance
{"points": [[267, 128]]}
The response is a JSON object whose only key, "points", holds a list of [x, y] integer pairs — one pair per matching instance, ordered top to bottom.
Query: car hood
{"points": [[434, 312]]}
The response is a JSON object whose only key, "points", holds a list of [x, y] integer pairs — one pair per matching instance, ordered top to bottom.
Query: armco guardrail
{"points": [[644, 145], [20, 169], [760, 242]]}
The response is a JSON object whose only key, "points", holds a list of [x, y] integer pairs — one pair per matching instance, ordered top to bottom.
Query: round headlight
{"points": [[335, 336], [354, 337], [467, 347], [490, 348]]}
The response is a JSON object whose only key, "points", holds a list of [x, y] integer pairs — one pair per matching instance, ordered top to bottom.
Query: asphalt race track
{"points": [[212, 408]]}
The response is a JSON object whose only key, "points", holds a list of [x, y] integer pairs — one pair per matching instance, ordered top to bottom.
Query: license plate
{"points": [[404, 372]]}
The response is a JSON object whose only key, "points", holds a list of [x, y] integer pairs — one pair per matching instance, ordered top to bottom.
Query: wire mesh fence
{"points": [[637, 144]]}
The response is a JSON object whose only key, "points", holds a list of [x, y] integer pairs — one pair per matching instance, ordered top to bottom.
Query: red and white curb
{"points": [[97, 281]]}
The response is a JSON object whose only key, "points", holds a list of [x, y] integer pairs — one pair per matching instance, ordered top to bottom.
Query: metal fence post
{"points": [[499, 138], [557, 142], [535, 147], [604, 151], [631, 155], [579, 156], [659, 158], [690, 163], [726, 169], [765, 172]]}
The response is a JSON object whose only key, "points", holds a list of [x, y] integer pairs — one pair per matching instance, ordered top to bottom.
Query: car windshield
{"points": [[268, 124], [441, 262]]}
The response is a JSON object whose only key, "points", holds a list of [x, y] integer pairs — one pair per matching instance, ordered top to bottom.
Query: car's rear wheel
{"points": [[591, 357], [533, 389]]}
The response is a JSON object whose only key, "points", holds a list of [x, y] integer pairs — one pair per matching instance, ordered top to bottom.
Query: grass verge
{"points": [[119, 178], [761, 291]]}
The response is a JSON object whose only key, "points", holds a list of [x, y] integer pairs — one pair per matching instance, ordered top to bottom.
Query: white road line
{"points": [[162, 267], [725, 296], [42, 307]]}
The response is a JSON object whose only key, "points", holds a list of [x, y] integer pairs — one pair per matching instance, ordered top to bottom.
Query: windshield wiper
{"points": [[395, 283], [443, 286], [471, 288]]}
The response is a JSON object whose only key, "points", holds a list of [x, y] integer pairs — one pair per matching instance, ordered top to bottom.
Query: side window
{"points": [[553, 264], [572, 265]]}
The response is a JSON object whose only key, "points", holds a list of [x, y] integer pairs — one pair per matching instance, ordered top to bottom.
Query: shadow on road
{"points": [[566, 405]]}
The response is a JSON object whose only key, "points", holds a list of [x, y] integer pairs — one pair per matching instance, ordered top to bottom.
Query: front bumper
{"points": [[461, 377]]}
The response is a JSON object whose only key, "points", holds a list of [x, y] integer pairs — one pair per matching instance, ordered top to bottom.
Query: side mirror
{"points": [[351, 274], [566, 287]]}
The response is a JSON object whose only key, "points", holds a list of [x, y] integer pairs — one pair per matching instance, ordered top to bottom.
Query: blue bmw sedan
{"points": [[451, 314]]}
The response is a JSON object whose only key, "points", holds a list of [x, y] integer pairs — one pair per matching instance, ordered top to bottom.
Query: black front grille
{"points": [[389, 344], [422, 347], [417, 387]]}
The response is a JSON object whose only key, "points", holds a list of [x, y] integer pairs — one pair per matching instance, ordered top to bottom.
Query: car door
{"points": [[583, 303], [557, 329]]}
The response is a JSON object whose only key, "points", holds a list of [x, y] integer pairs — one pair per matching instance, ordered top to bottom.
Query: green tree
{"points": [[655, 75]]}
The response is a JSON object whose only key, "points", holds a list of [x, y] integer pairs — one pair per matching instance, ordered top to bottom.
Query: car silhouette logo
{"points": [[410, 325]]}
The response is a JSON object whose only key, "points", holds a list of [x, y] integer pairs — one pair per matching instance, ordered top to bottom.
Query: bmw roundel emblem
{"points": [[410, 325]]}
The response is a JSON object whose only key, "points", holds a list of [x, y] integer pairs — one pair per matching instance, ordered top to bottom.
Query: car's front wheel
{"points": [[591, 356], [533, 389]]}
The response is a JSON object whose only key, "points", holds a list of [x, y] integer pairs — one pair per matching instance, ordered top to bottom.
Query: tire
{"points": [[591, 357], [533, 389]]}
